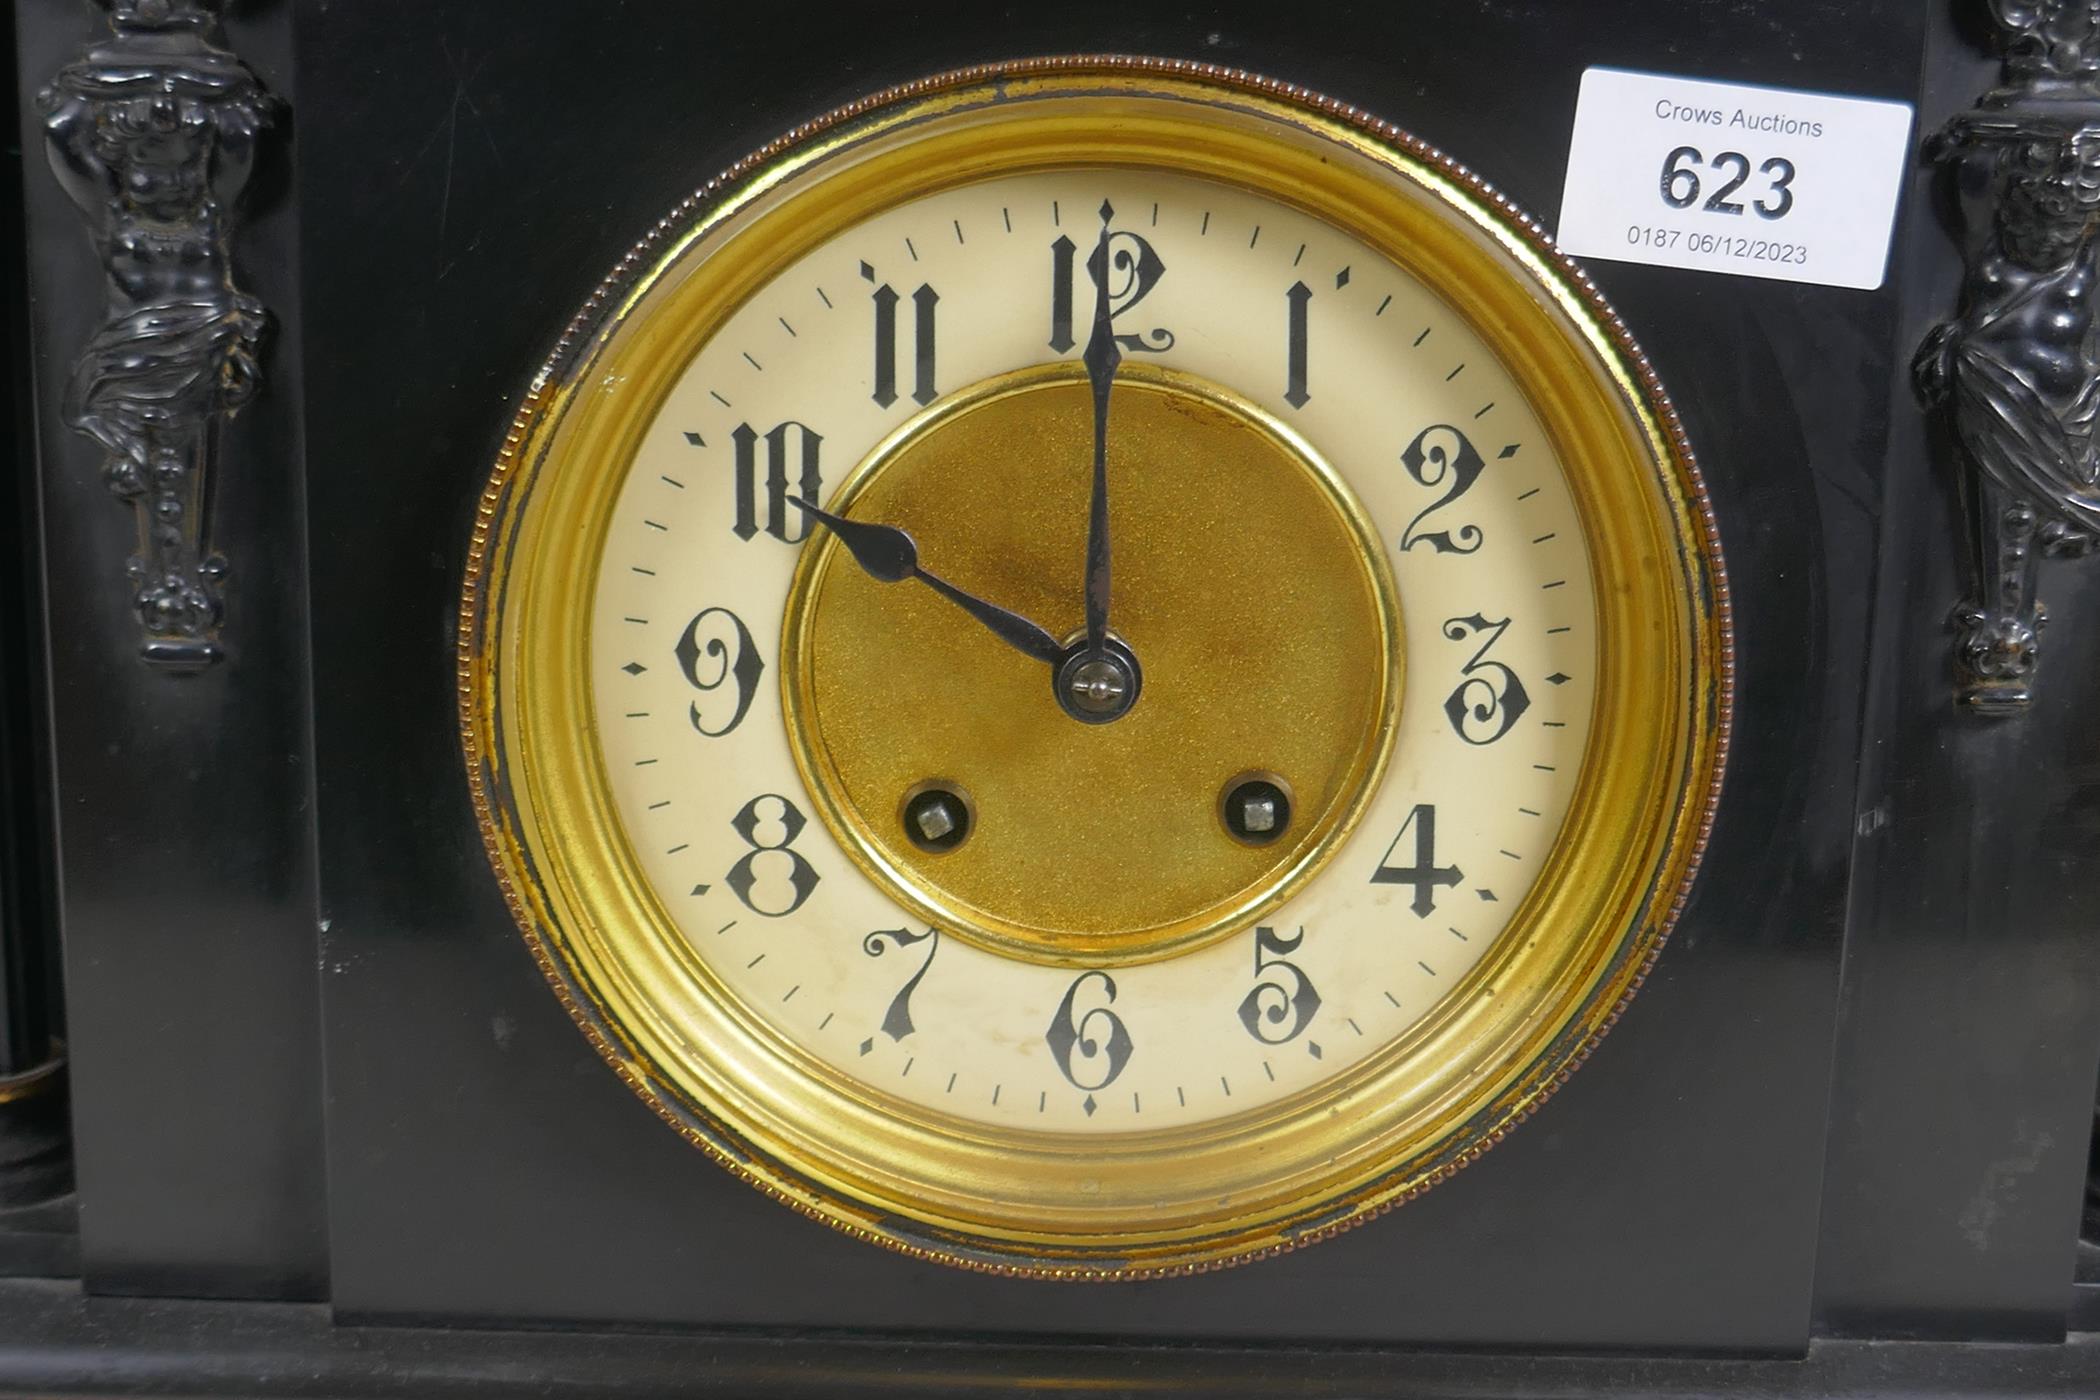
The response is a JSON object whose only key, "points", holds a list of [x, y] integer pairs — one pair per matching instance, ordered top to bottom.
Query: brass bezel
{"points": [[1160, 1202]]}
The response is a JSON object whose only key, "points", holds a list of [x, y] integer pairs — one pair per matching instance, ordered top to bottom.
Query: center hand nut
{"points": [[1096, 687]]}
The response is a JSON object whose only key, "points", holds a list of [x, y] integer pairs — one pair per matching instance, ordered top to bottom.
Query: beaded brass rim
{"points": [[1161, 1202]]}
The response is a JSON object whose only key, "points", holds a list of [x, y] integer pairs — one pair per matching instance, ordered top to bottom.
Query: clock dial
{"points": [[1095, 670], [946, 977]]}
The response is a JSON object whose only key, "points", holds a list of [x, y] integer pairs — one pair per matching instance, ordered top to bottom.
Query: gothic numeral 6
{"points": [[1091, 1046]]}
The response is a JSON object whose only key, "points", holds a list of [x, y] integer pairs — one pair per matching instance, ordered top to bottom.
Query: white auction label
{"points": [[1726, 177]]}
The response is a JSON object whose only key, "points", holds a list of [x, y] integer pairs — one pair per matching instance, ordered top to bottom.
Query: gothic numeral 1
{"points": [[1061, 294], [1294, 392]]}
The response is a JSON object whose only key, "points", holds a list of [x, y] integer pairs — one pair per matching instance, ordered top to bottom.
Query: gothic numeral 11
{"points": [[923, 301]]}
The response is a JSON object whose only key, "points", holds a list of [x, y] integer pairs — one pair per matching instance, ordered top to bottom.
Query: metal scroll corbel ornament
{"points": [[152, 131], [2017, 371]]}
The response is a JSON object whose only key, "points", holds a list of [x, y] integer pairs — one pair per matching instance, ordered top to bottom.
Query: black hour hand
{"points": [[889, 555]]}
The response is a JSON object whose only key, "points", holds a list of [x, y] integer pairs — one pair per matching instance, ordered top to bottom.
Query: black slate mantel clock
{"points": [[701, 702]]}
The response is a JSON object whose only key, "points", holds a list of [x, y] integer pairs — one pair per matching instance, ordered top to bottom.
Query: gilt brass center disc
{"points": [[1249, 584]]}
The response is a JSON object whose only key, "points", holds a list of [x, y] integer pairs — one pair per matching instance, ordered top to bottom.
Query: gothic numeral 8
{"points": [[762, 861]]}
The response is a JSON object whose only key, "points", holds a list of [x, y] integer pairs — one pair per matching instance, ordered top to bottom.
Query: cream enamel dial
{"points": [[1477, 525], [1094, 669]]}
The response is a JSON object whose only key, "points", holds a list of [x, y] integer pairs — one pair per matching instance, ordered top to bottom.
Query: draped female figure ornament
{"points": [[152, 131]]}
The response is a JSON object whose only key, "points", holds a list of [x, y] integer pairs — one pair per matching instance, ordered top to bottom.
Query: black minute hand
{"points": [[1102, 357], [889, 555]]}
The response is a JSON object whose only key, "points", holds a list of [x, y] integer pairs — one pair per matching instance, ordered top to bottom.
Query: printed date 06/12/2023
{"points": [[1718, 245]]}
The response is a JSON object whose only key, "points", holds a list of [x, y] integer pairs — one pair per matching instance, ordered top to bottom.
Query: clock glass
{"points": [[1095, 668]]}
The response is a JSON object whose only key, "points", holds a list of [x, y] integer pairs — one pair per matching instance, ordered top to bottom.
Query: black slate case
{"points": [[313, 1062]]}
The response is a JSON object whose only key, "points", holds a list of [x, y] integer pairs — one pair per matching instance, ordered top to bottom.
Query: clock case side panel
{"points": [[185, 861], [1963, 1098], [485, 1167]]}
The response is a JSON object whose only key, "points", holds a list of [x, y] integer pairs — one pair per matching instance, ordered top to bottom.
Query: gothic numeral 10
{"points": [[785, 442]]}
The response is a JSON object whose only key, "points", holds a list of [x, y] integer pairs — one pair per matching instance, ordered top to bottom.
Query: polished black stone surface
{"points": [[312, 1059], [483, 1166]]}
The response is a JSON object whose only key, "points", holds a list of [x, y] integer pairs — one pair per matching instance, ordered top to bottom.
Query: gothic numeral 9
{"points": [[737, 665]]}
